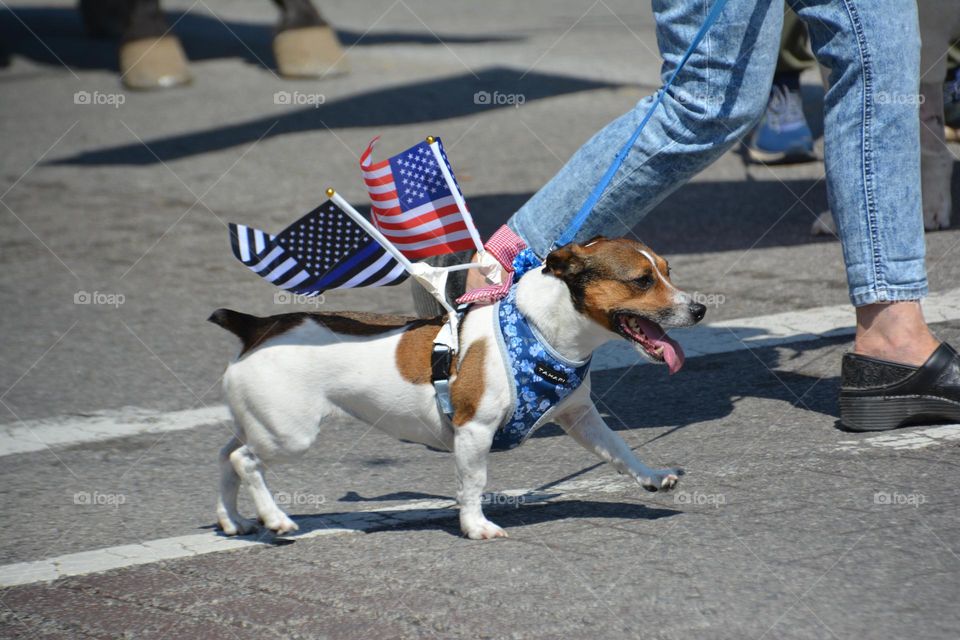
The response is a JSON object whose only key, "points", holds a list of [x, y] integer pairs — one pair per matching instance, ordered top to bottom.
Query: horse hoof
{"points": [[309, 52], [153, 63]]}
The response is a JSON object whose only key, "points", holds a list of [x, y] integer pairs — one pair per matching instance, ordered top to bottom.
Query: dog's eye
{"points": [[644, 282]]}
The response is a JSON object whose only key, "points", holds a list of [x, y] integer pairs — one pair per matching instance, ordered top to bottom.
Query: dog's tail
{"points": [[242, 325]]}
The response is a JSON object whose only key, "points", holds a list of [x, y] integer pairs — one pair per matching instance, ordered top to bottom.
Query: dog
{"points": [[299, 371]]}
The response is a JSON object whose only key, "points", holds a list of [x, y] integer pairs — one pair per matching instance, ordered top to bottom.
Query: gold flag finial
{"points": [[431, 139], [330, 192]]}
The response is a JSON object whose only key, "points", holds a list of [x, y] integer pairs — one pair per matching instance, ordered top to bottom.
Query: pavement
{"points": [[112, 416]]}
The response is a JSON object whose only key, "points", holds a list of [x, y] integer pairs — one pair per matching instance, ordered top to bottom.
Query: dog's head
{"points": [[625, 288]]}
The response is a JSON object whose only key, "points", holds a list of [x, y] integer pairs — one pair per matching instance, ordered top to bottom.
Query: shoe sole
{"points": [[793, 156], [882, 413]]}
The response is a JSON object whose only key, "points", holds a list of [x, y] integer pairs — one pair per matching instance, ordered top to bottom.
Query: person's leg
{"points": [[939, 24], [795, 56], [720, 94], [951, 95], [783, 134], [872, 153], [898, 373]]}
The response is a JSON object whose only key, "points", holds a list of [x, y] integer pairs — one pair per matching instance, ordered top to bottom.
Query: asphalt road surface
{"points": [[112, 415]]}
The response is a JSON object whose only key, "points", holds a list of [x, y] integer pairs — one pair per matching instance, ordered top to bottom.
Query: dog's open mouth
{"points": [[651, 339]]}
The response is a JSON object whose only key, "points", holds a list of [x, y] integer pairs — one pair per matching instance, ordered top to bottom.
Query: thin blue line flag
{"points": [[325, 249]]}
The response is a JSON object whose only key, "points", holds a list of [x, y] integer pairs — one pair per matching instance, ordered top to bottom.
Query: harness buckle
{"points": [[441, 358], [441, 361]]}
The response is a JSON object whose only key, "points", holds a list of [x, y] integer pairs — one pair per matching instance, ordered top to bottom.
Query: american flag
{"points": [[413, 205], [324, 249]]}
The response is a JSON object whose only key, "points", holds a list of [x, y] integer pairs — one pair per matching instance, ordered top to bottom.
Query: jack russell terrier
{"points": [[298, 371]]}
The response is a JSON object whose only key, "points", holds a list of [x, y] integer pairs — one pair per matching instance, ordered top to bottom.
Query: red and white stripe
{"points": [[432, 229], [504, 245]]}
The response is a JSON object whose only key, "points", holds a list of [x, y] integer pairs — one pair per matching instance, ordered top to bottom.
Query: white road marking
{"points": [[721, 337], [36, 435], [905, 440], [128, 555]]}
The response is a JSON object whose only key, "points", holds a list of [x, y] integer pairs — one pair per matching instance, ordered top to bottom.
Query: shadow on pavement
{"points": [[203, 35], [426, 101], [709, 217], [709, 388], [353, 496], [506, 516]]}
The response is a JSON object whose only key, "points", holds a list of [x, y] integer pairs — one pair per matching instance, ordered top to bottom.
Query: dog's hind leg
{"points": [[471, 445], [250, 469], [227, 514]]}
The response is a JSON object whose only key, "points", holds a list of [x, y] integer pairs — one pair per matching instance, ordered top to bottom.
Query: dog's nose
{"points": [[697, 310]]}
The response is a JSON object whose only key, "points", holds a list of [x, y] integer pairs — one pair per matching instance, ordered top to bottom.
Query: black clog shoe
{"points": [[876, 395]]}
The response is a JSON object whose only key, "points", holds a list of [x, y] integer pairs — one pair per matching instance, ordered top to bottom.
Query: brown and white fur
{"points": [[297, 372]]}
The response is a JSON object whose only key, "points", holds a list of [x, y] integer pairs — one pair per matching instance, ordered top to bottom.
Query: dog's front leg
{"points": [[584, 423], [471, 445], [250, 469]]}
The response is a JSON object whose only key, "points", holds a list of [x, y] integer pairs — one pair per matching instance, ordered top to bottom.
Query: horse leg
{"points": [[305, 46], [150, 56]]}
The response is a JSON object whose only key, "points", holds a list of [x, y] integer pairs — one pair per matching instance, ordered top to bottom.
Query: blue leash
{"points": [[578, 220]]}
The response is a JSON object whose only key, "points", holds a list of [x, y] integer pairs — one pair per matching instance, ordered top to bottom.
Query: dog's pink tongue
{"points": [[672, 351]]}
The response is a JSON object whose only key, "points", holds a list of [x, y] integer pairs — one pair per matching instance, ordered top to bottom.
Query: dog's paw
{"points": [[662, 480], [281, 524], [238, 527], [483, 530]]}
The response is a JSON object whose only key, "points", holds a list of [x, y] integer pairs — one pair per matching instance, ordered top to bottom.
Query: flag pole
{"points": [[457, 196], [370, 229], [432, 278]]}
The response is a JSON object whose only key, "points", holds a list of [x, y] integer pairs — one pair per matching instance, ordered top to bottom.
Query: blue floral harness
{"points": [[542, 378]]}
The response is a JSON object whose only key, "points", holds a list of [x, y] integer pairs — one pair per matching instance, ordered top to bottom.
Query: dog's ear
{"points": [[564, 261]]}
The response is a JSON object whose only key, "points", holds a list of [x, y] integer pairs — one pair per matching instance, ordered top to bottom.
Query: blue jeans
{"points": [[871, 131]]}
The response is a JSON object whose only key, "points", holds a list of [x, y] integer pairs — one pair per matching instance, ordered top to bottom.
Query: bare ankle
{"points": [[894, 331]]}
